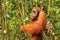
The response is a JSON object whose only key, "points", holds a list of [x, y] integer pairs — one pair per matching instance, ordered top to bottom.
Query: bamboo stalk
{"points": [[52, 2], [41, 3], [48, 8], [0, 12], [23, 13], [2, 21], [2, 30]]}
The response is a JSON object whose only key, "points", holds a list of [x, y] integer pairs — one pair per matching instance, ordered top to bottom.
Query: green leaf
{"points": [[58, 0], [36, 1], [57, 11], [53, 33]]}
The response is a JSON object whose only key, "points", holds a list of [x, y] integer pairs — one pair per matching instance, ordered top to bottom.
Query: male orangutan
{"points": [[36, 27]]}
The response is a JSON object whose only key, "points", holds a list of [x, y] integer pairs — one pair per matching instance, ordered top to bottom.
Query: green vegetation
{"points": [[14, 13]]}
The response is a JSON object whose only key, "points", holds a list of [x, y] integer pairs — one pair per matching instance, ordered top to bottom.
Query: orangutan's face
{"points": [[34, 13]]}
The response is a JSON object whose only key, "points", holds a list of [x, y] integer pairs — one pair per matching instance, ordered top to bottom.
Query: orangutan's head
{"points": [[35, 13]]}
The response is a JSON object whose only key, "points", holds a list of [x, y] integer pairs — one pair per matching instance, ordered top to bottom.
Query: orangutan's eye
{"points": [[34, 13]]}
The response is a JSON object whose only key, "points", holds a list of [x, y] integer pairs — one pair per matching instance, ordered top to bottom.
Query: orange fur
{"points": [[35, 28]]}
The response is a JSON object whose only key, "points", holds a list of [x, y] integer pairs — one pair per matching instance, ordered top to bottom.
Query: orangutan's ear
{"points": [[38, 5], [43, 8]]}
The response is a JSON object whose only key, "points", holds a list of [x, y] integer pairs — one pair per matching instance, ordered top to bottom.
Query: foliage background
{"points": [[14, 13]]}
